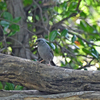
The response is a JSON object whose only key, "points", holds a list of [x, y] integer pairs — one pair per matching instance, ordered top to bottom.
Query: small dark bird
{"points": [[45, 51]]}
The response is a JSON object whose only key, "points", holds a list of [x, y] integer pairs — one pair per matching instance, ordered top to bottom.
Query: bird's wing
{"points": [[50, 49], [51, 52]]}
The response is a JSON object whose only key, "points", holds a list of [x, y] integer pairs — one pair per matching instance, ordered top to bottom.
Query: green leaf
{"points": [[27, 2], [40, 2], [2, 5], [64, 5], [72, 6], [56, 8], [83, 15], [7, 16], [37, 17], [17, 19], [5, 24], [83, 25], [14, 27], [88, 28], [5, 32], [64, 32], [12, 33], [53, 35], [67, 36], [73, 38], [81, 42], [9, 43], [52, 45], [56, 49], [86, 51], [94, 53], [63, 64], [85, 68], [1, 86], [9, 86], [18, 87]]}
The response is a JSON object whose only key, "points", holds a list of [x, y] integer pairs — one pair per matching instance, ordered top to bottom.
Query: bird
{"points": [[44, 50]]}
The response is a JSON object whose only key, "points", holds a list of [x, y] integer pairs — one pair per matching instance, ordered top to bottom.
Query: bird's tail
{"points": [[52, 63]]}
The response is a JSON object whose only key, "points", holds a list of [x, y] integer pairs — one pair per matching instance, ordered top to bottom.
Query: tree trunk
{"points": [[21, 39], [46, 78]]}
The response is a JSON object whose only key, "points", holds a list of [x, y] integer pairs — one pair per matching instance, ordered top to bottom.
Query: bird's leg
{"points": [[41, 61], [49, 64]]}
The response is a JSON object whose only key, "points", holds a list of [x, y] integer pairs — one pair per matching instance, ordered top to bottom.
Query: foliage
{"points": [[8, 23], [10, 86]]}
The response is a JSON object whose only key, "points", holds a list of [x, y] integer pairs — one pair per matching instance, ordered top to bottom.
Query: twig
{"points": [[78, 5], [73, 14], [41, 15], [10, 21], [60, 22], [29, 31], [72, 33], [83, 39], [4, 40], [16, 41], [63, 49], [87, 65]]}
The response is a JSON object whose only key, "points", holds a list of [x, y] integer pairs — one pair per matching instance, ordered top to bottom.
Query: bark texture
{"points": [[20, 39], [46, 78], [35, 95]]}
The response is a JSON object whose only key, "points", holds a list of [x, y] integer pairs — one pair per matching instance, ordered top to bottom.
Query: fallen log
{"points": [[46, 78], [35, 95]]}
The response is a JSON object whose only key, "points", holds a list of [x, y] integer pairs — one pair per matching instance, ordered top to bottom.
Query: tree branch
{"points": [[78, 5], [41, 15], [60, 22], [83, 39], [46, 78], [36, 95]]}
